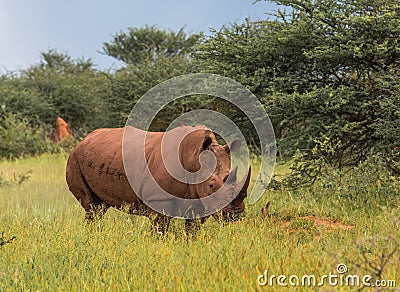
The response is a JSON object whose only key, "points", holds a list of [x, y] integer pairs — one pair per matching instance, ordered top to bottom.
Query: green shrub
{"points": [[19, 138]]}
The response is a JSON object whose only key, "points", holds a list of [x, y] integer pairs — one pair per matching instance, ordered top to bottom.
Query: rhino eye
{"points": [[211, 186]]}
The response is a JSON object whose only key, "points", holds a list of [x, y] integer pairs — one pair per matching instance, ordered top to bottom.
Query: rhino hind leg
{"points": [[94, 207], [95, 211]]}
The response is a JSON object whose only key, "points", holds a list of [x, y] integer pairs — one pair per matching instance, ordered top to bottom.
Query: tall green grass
{"points": [[56, 251]]}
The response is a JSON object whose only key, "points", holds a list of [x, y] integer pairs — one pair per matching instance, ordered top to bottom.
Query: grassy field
{"points": [[309, 232]]}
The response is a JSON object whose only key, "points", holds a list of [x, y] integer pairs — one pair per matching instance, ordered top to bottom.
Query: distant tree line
{"points": [[327, 72]]}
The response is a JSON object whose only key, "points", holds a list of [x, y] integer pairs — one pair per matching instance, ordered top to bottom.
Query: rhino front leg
{"points": [[192, 226]]}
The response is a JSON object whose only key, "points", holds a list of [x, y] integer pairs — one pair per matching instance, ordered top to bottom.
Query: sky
{"points": [[80, 27]]}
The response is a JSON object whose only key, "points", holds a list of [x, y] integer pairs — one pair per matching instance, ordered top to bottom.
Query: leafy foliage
{"points": [[148, 43], [152, 56], [325, 70], [130, 83], [58, 86], [19, 138]]}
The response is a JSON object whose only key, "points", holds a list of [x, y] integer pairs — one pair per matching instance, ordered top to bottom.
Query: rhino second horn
{"points": [[232, 177], [241, 185]]}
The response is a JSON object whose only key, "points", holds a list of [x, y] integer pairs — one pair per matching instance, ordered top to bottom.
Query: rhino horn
{"points": [[232, 177], [244, 183]]}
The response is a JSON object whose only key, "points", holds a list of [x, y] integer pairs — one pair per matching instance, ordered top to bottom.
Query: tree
{"points": [[147, 44], [151, 56], [62, 63], [326, 71], [130, 83]]}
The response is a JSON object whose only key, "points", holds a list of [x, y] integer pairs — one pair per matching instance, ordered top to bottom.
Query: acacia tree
{"points": [[148, 43], [151, 56], [355, 66], [327, 71]]}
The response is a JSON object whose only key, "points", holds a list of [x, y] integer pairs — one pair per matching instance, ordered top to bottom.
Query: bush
{"points": [[58, 86], [18, 137]]}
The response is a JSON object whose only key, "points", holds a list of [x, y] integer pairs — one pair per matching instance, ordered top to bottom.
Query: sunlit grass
{"points": [[56, 251]]}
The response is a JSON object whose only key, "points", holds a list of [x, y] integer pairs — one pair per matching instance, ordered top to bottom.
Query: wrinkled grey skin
{"points": [[96, 176]]}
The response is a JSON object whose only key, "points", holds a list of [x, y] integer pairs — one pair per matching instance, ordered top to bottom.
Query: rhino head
{"points": [[222, 180], [227, 182], [235, 209]]}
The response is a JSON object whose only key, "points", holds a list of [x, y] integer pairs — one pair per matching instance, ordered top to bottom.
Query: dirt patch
{"points": [[328, 223], [308, 225]]}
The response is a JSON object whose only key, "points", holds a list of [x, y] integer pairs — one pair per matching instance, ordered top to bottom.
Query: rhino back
{"points": [[98, 162]]}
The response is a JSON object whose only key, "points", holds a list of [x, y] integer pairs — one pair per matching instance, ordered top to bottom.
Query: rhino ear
{"points": [[206, 143], [233, 146]]}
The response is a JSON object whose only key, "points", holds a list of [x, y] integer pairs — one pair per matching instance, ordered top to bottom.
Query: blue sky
{"points": [[80, 27]]}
